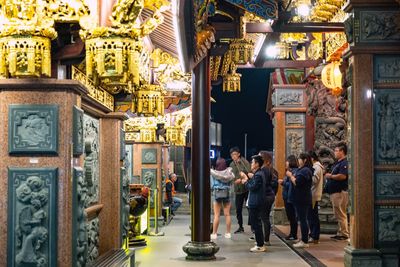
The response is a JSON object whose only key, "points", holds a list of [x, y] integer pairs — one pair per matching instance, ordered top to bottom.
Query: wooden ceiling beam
{"points": [[295, 27], [297, 64]]}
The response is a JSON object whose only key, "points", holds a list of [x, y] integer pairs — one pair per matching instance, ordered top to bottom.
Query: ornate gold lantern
{"points": [[25, 45], [241, 51], [112, 53], [112, 60], [331, 76], [231, 81], [148, 100], [176, 135]]}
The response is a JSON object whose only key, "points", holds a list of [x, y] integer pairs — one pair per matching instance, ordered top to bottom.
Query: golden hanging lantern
{"points": [[25, 40], [241, 51], [112, 61], [331, 76], [231, 81], [148, 100], [176, 136]]}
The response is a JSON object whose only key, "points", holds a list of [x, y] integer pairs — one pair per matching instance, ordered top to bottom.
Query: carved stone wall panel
{"points": [[377, 26], [387, 68], [288, 98], [321, 102], [295, 119], [387, 126], [33, 129], [91, 132], [328, 132], [77, 134], [295, 141], [122, 144], [149, 156], [128, 162], [149, 179], [387, 185], [125, 204], [32, 217], [79, 219], [387, 226], [93, 240]]}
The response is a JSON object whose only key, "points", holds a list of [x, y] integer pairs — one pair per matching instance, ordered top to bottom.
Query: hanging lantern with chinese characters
{"points": [[241, 51], [331, 77], [231, 81], [148, 100]]}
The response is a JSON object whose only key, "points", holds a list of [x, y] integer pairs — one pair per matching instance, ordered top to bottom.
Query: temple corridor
{"points": [[233, 252]]}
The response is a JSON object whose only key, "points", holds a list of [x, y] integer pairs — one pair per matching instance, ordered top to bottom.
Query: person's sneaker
{"points": [[239, 230], [228, 235], [213, 236], [334, 236], [340, 237], [252, 238], [291, 238], [312, 240], [267, 243], [300, 244], [258, 249]]}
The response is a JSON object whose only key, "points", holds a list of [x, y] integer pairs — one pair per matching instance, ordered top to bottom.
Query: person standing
{"points": [[239, 164], [291, 165], [221, 179], [254, 181], [336, 186], [316, 190], [269, 194], [301, 195], [170, 198]]}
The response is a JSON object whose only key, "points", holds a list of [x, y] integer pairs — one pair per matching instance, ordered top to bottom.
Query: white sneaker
{"points": [[228, 235], [213, 236], [300, 244], [258, 249]]}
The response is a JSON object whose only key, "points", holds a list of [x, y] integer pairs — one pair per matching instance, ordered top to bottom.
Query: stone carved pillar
{"points": [[374, 97], [289, 107], [37, 119], [330, 129]]}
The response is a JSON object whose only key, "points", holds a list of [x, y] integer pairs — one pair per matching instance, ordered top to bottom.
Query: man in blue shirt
{"points": [[337, 186]]}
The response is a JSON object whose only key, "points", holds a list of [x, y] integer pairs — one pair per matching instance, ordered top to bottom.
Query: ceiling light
{"points": [[303, 10], [272, 51]]}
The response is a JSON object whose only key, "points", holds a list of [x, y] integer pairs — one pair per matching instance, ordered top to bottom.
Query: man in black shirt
{"points": [[337, 186]]}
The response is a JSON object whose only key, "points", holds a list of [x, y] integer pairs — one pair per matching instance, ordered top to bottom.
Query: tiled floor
{"points": [[167, 250], [329, 252]]}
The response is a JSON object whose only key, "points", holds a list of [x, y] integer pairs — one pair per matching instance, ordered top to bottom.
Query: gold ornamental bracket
{"points": [[168, 72]]}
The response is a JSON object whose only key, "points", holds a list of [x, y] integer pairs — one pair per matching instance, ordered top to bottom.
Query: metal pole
{"points": [[156, 233]]}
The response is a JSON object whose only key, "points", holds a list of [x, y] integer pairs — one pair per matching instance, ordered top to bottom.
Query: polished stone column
{"points": [[374, 61], [200, 247]]}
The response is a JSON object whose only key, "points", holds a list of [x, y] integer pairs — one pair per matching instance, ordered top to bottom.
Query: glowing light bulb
{"points": [[303, 10], [272, 51]]}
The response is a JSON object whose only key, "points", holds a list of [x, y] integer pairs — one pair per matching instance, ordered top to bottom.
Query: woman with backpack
{"points": [[221, 179]]}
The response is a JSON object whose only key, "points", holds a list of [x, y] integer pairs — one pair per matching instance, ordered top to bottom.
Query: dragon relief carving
{"points": [[378, 26]]}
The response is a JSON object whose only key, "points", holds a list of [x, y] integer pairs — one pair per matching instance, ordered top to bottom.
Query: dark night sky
{"points": [[244, 112]]}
